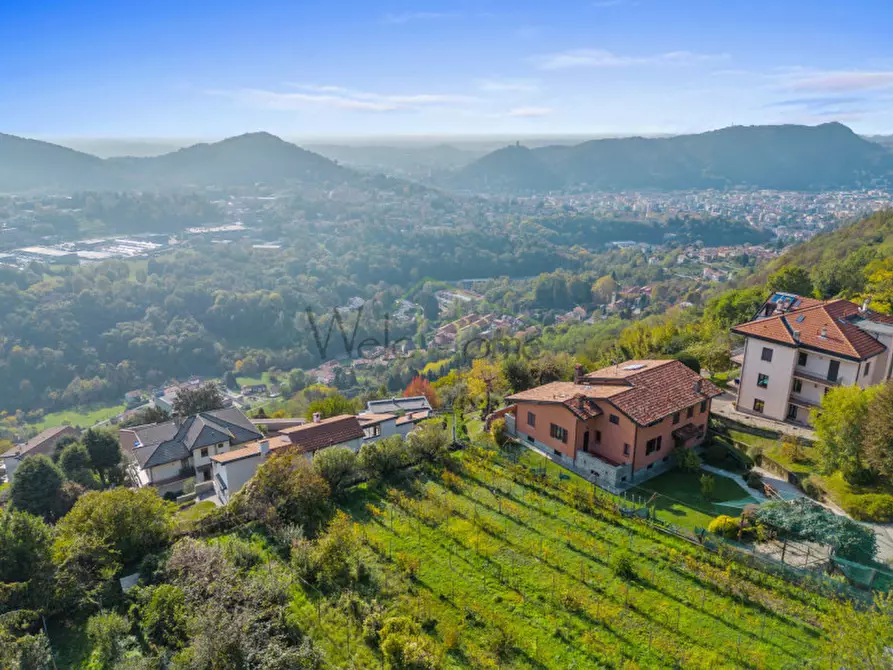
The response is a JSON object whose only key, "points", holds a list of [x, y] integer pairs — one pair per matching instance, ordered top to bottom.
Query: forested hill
{"points": [[785, 157], [27, 165], [31, 165], [853, 261]]}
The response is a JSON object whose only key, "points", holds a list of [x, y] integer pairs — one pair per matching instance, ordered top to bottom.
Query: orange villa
{"points": [[616, 426]]}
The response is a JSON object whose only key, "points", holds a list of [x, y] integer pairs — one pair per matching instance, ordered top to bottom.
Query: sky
{"points": [[333, 68]]}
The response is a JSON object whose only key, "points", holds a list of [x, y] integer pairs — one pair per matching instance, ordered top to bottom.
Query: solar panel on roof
{"points": [[801, 318], [637, 366]]}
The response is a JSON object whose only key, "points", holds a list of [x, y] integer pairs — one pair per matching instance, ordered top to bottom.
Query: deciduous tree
{"points": [[420, 386], [205, 398], [839, 428], [878, 434], [338, 466], [37, 487]]}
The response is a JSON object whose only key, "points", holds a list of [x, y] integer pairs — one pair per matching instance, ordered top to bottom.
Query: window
{"points": [[767, 354], [802, 358], [867, 368], [833, 370], [763, 381], [798, 386], [703, 406], [758, 406], [792, 411], [690, 413], [676, 417], [531, 419], [614, 419], [372, 431], [558, 432], [598, 436], [653, 445], [626, 450], [204, 452], [556, 452]]}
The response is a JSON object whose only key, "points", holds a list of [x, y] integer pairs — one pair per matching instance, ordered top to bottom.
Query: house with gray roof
{"points": [[399, 405], [167, 454]]}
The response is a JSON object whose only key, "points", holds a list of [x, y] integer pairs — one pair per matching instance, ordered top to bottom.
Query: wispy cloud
{"points": [[408, 17], [601, 58], [843, 81], [500, 85], [309, 96], [530, 112]]}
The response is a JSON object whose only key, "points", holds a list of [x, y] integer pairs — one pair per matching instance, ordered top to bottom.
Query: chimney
{"points": [[866, 303], [824, 333], [796, 335], [578, 374], [698, 386], [316, 417], [264, 447]]}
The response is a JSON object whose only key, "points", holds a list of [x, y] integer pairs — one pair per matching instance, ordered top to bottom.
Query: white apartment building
{"points": [[796, 349]]}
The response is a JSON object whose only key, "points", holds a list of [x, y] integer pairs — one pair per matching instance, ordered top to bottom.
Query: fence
{"points": [[861, 578]]}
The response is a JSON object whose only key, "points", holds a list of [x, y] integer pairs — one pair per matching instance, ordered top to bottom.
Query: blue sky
{"points": [[195, 68]]}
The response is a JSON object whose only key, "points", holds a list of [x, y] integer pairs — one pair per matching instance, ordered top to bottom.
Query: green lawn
{"points": [[263, 379], [721, 379], [83, 417], [680, 501], [867, 503], [192, 513]]}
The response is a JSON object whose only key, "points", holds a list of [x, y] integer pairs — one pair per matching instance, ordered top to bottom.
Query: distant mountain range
{"points": [[776, 157], [32, 165]]}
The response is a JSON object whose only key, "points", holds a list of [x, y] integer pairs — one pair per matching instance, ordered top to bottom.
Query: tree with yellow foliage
{"points": [[484, 380]]}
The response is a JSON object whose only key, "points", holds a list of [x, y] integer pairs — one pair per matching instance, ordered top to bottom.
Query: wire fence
{"points": [[845, 579]]}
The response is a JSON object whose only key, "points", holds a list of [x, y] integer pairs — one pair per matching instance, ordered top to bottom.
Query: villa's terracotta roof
{"points": [[840, 337], [646, 391], [326, 433], [251, 449]]}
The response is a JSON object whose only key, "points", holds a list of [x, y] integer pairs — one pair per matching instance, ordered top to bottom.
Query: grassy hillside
{"points": [[500, 570]]}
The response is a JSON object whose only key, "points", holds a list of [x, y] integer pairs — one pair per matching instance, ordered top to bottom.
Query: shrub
{"points": [[498, 432], [792, 450], [716, 454], [686, 459], [754, 480], [451, 481], [708, 484], [189, 486], [810, 488], [870, 507], [724, 525], [622, 565], [404, 647]]}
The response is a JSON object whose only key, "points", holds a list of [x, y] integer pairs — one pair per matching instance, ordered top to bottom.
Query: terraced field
{"points": [[503, 569]]}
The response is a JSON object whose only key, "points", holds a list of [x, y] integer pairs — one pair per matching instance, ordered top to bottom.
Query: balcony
{"points": [[816, 379], [800, 401]]}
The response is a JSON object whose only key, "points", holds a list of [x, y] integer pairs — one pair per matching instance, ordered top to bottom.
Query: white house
{"points": [[796, 349], [399, 405], [169, 453], [231, 470]]}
